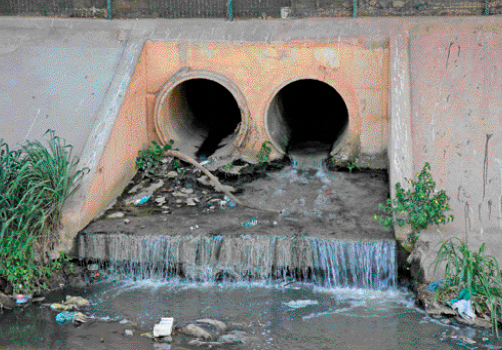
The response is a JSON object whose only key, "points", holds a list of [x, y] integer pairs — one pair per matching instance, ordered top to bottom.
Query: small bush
{"points": [[35, 182], [419, 207], [474, 271]]}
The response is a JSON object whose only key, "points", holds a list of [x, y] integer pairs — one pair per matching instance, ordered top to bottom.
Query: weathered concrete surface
{"points": [[448, 113]]}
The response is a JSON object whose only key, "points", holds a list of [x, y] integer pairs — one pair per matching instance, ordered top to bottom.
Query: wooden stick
{"points": [[217, 184]]}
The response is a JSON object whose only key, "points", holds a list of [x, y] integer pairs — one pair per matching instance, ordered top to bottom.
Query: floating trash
{"points": [[250, 223]]}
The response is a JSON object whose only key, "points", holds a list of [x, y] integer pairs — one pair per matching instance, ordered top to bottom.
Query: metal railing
{"points": [[242, 9]]}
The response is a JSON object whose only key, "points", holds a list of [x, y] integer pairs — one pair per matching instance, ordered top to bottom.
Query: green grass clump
{"points": [[149, 160], [35, 181], [474, 271]]}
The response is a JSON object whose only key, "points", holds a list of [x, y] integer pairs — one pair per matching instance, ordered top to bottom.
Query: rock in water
{"points": [[219, 325], [196, 331]]}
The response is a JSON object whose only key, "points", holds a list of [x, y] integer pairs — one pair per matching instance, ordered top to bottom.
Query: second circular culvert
{"points": [[202, 112], [306, 112]]}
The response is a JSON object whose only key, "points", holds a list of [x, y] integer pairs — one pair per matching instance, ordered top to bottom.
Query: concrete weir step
{"points": [[328, 263]]}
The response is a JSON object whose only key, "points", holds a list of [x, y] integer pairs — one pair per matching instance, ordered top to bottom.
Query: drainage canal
{"points": [[306, 113], [202, 116]]}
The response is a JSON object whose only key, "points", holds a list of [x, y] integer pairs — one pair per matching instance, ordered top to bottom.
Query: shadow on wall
{"points": [[304, 113], [203, 114]]}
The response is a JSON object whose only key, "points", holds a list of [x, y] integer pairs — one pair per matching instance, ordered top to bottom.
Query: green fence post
{"points": [[109, 3], [487, 7], [355, 8], [230, 13]]}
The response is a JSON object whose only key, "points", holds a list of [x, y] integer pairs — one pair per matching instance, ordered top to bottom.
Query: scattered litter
{"points": [[172, 174], [187, 190], [143, 200], [160, 200], [191, 202], [231, 204], [116, 215], [126, 221], [250, 223], [93, 267], [435, 285], [463, 295], [22, 298], [71, 303], [298, 304], [61, 307], [464, 309], [67, 317], [124, 321], [164, 328], [129, 332], [147, 334], [466, 339]]}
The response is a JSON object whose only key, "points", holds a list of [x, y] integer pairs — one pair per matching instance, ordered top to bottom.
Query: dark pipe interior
{"points": [[215, 112], [313, 112]]}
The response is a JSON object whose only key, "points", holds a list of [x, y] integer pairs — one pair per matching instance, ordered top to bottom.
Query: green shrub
{"points": [[35, 182], [419, 207], [476, 272]]}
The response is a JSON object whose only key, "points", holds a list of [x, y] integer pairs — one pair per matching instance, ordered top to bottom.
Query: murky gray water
{"points": [[274, 316], [298, 316]]}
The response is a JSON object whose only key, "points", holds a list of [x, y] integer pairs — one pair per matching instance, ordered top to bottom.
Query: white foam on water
{"points": [[298, 304]]}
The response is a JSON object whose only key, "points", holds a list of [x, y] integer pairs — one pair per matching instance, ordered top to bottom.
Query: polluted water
{"points": [[279, 292]]}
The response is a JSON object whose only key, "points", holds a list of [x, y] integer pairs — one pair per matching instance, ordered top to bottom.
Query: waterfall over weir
{"points": [[327, 263]]}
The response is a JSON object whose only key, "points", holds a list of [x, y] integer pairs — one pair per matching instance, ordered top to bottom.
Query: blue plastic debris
{"points": [[143, 200], [231, 204], [250, 223], [435, 285], [463, 295], [65, 317]]}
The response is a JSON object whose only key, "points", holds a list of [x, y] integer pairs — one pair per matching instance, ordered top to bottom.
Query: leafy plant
{"points": [[265, 150], [150, 159], [35, 182], [419, 207], [476, 272]]}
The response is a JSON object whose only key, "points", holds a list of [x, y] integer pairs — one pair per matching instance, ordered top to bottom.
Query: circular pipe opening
{"points": [[306, 113], [202, 116]]}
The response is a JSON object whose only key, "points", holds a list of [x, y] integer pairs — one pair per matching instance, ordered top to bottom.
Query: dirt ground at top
{"points": [[325, 202]]}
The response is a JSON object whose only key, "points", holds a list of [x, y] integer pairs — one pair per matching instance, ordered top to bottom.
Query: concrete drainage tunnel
{"points": [[204, 116]]}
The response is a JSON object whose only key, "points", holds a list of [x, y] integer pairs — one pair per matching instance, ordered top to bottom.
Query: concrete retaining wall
{"points": [[416, 89]]}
